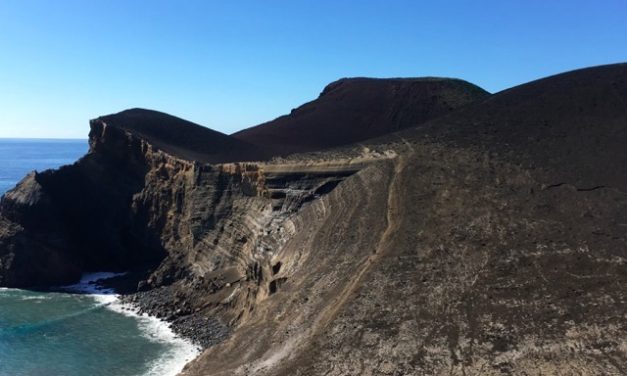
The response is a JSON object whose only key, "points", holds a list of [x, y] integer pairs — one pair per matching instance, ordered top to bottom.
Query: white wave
{"points": [[35, 297], [179, 352]]}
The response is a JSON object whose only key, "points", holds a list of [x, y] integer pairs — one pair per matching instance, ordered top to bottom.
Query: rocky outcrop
{"points": [[128, 205]]}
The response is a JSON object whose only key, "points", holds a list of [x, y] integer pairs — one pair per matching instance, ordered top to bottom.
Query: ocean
{"points": [[80, 330]]}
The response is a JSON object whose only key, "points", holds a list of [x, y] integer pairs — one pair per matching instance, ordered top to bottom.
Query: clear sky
{"points": [[232, 64]]}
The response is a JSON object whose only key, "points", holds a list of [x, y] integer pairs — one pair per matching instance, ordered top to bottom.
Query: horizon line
{"points": [[45, 138]]}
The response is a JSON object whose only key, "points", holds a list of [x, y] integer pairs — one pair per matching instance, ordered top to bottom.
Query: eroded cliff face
{"points": [[128, 205], [74, 216], [223, 233], [201, 240], [441, 261]]}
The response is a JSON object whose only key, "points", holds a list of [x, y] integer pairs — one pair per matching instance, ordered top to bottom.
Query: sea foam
{"points": [[174, 359]]}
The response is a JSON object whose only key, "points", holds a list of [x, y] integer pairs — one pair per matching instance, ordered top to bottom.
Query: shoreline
{"points": [[197, 326], [156, 329]]}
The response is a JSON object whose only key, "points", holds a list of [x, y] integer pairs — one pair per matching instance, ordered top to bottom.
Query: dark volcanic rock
{"points": [[356, 109], [572, 125], [179, 137], [79, 215], [199, 327]]}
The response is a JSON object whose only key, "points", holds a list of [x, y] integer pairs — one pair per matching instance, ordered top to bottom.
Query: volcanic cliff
{"points": [[483, 234]]}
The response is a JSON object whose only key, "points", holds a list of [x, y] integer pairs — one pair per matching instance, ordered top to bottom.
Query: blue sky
{"points": [[233, 64]]}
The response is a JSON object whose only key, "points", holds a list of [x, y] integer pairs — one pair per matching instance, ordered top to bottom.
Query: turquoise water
{"points": [[81, 330]]}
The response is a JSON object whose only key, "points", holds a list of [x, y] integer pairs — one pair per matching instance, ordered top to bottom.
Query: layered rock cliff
{"points": [[129, 205]]}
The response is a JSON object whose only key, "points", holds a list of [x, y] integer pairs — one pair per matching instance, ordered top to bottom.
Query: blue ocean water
{"points": [[21, 156], [81, 330]]}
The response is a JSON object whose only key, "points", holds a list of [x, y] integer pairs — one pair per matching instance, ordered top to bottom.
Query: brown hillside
{"points": [[356, 109], [572, 126], [180, 137]]}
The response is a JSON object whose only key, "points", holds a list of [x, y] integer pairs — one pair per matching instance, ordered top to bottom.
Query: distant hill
{"points": [[355, 109], [573, 124], [180, 137]]}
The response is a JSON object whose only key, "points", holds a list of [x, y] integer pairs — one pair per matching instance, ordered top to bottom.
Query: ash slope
{"points": [[355, 109], [181, 138], [486, 241]]}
